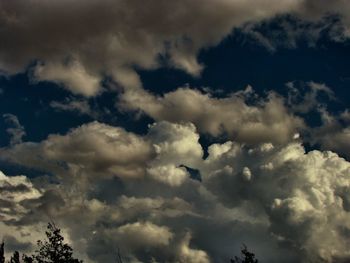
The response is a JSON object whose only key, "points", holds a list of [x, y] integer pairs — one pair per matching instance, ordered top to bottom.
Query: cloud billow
{"points": [[287, 188]]}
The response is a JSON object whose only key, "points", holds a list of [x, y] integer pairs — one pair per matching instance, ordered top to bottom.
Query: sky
{"points": [[176, 131]]}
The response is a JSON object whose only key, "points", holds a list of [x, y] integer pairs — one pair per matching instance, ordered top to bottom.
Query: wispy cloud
{"points": [[16, 130]]}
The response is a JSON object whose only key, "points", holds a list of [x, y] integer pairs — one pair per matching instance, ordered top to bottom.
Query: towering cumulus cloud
{"points": [[138, 196]]}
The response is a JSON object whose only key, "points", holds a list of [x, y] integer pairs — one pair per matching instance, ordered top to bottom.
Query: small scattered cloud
{"points": [[307, 98], [79, 106], [16, 130]]}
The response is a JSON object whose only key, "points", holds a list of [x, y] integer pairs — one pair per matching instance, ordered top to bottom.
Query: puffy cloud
{"points": [[72, 77], [268, 120], [172, 140], [174, 145], [92, 148], [99, 150], [169, 174], [17, 188], [14, 191], [305, 195], [278, 198], [143, 235], [187, 254]]}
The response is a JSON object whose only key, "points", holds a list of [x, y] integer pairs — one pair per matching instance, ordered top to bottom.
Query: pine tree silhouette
{"points": [[52, 250], [2, 253], [247, 257], [15, 258], [119, 258], [27, 259]]}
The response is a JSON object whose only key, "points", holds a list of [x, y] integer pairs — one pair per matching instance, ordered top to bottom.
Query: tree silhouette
{"points": [[53, 250], [2, 253], [247, 257], [15, 258], [119, 258], [27, 259]]}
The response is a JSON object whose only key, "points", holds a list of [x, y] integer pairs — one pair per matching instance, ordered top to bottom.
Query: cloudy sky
{"points": [[176, 131]]}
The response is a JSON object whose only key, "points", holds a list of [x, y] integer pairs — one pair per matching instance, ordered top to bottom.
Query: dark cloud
{"points": [[78, 42]]}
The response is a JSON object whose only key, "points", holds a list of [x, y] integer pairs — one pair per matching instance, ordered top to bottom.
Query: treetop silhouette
{"points": [[51, 250], [247, 257]]}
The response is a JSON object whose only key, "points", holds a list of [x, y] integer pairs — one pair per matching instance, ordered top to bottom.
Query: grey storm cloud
{"points": [[76, 43], [132, 192]]}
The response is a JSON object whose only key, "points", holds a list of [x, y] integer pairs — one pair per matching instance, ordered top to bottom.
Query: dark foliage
{"points": [[51, 250], [54, 250], [2, 253], [246, 257], [15, 258], [119, 258], [27, 259]]}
